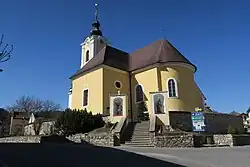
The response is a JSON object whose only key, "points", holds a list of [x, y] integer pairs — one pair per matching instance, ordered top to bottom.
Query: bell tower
{"points": [[93, 44]]}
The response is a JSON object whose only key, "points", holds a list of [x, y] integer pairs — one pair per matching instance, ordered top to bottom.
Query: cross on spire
{"points": [[96, 12], [96, 25], [163, 33]]}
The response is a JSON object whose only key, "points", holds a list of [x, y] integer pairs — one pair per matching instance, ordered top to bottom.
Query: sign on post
{"points": [[198, 121]]}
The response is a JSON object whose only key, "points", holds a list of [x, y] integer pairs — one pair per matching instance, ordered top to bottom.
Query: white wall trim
{"points": [[168, 64], [179, 64], [115, 69], [176, 88], [83, 99], [70, 101], [136, 102]]}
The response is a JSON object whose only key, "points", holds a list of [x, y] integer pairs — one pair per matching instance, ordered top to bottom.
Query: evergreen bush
{"points": [[77, 121], [231, 130]]}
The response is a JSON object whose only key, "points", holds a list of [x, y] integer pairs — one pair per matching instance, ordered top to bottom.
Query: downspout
{"points": [[130, 87]]}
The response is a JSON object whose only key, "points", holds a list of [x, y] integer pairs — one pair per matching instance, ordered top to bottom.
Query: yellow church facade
{"points": [[157, 75]]}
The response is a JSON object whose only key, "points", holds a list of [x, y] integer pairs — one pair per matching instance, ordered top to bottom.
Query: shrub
{"points": [[141, 108], [77, 121], [231, 130]]}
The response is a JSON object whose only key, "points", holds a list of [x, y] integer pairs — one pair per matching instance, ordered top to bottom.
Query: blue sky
{"points": [[213, 34]]}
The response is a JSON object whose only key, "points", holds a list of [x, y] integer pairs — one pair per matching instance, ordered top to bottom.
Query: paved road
{"points": [[46, 155], [73, 155], [199, 157]]}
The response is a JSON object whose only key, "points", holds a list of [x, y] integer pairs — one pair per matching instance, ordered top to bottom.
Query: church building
{"points": [[115, 83]]}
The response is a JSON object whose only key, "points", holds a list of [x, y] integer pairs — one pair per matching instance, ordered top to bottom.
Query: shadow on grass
{"points": [[49, 154]]}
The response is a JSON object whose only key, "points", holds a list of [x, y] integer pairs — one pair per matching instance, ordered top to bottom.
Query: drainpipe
{"points": [[130, 87]]}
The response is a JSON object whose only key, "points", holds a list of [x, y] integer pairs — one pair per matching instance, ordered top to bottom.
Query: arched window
{"points": [[87, 55], [172, 88], [139, 96]]}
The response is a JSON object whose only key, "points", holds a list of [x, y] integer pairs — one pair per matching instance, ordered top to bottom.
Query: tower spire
{"points": [[96, 12], [96, 25]]}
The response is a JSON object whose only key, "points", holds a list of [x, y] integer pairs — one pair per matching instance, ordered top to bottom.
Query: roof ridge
{"points": [[106, 48], [174, 48], [116, 49], [157, 51]]}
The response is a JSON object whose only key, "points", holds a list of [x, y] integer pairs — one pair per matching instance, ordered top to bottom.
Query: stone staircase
{"points": [[140, 135]]}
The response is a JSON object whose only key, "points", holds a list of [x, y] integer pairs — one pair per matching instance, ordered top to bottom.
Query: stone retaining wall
{"points": [[45, 129], [21, 139], [99, 140], [223, 140], [232, 140], [178, 141]]}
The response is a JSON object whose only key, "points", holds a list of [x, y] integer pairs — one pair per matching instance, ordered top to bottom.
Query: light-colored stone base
{"points": [[21, 139], [178, 141]]}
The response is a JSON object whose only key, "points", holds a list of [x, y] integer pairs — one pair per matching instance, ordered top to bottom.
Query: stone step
{"points": [[143, 122], [142, 125], [142, 129], [141, 134], [141, 139], [137, 142], [138, 145]]}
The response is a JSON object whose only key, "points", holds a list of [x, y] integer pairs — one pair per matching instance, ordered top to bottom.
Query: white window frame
{"points": [[176, 88], [83, 98], [136, 102]]}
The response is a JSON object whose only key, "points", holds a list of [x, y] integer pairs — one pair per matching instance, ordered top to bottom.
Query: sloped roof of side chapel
{"points": [[161, 51]]}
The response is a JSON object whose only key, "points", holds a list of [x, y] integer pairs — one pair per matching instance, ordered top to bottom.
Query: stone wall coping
{"points": [[152, 123], [120, 125], [231, 135]]}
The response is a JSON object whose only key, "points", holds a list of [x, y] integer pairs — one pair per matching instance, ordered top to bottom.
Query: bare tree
{"points": [[5, 51], [32, 104], [49, 105]]}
